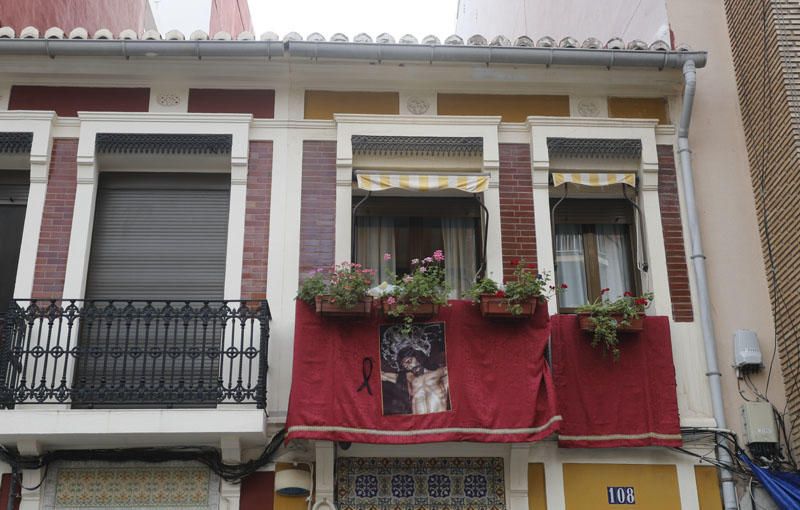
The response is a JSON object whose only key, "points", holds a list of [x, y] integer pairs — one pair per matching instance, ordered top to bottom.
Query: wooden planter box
{"points": [[493, 306], [327, 309], [421, 311], [635, 326]]}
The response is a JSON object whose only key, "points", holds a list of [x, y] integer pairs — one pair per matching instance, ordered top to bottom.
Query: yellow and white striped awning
{"points": [[594, 179], [475, 183]]}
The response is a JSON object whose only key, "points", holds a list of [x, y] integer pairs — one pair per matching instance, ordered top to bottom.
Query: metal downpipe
{"points": [[699, 266]]}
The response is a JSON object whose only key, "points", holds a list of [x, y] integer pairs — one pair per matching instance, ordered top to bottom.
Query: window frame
{"points": [[591, 259]]}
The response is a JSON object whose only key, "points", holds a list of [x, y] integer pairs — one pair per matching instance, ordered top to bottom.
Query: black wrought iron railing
{"points": [[131, 354]]}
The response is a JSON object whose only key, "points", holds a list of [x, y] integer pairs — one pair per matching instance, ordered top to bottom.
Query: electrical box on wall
{"points": [[746, 351], [760, 430]]}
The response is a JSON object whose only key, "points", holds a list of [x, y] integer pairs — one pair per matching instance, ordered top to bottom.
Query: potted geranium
{"points": [[339, 291], [420, 293], [519, 297], [605, 318]]}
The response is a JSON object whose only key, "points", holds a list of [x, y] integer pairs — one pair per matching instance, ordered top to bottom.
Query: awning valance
{"points": [[594, 179], [476, 183]]}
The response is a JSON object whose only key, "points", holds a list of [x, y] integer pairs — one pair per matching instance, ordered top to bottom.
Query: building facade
{"points": [[766, 82], [163, 200]]}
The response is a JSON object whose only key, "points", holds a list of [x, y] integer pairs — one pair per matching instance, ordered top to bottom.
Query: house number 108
{"points": [[621, 496]]}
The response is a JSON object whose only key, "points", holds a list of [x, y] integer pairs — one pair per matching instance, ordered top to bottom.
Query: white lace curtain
{"points": [[375, 236], [459, 250], [613, 253]]}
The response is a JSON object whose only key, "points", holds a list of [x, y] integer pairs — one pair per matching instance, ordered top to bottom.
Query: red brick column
{"points": [[317, 205], [516, 205], [256, 223], [673, 236], [51, 258]]}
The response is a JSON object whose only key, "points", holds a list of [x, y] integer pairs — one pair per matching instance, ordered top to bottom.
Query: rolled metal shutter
{"points": [[13, 198], [159, 236], [160, 241]]}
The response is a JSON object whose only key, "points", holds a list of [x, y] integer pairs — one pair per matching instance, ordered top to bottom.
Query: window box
{"points": [[495, 306], [325, 308], [420, 311], [635, 325]]}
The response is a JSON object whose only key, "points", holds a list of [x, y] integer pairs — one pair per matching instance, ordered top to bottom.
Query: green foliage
{"points": [[346, 284], [425, 284], [525, 285], [607, 316]]}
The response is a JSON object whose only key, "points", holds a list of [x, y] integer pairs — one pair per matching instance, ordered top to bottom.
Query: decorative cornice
{"points": [[190, 118], [421, 120], [591, 122], [15, 142], [128, 143], [417, 145], [594, 147]]}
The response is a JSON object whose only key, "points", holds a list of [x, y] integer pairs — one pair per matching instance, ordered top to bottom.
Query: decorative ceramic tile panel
{"points": [[454, 483], [177, 486]]}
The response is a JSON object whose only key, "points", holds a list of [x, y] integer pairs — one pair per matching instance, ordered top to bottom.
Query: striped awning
{"points": [[594, 179], [475, 183]]}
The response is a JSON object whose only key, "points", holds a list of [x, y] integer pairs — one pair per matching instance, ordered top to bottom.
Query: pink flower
{"points": [[387, 256], [438, 256], [427, 260], [415, 261], [423, 269], [391, 300]]}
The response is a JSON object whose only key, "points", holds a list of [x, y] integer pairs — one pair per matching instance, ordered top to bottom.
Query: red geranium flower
{"points": [[515, 262], [531, 266], [564, 286], [603, 291], [500, 293], [628, 293], [641, 301]]}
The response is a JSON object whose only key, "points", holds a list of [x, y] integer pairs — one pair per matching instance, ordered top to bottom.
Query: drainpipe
{"points": [[699, 265]]}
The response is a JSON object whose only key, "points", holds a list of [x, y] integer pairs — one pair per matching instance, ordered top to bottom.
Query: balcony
{"points": [[134, 354]]}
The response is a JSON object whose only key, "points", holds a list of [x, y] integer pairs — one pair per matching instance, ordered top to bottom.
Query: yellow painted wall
{"points": [[322, 104], [513, 108], [638, 108], [655, 485], [708, 488], [537, 496], [289, 502]]}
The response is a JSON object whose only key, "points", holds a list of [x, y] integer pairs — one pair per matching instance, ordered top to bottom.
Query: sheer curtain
{"points": [[374, 237], [613, 252], [460, 265], [570, 266]]}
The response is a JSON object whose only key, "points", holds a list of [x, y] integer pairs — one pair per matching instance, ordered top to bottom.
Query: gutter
{"points": [[309, 50], [699, 266]]}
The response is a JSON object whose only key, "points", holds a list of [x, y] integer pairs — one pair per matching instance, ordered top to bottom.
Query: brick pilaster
{"points": [[51, 257]]}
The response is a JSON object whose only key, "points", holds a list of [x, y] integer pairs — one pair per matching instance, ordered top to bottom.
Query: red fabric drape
{"points": [[500, 386], [606, 404]]}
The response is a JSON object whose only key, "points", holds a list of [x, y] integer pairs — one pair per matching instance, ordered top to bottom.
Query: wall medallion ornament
{"points": [[168, 99], [417, 105], [588, 108]]}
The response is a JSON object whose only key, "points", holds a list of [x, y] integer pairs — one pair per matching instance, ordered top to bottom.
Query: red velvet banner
{"points": [[486, 381], [607, 404]]}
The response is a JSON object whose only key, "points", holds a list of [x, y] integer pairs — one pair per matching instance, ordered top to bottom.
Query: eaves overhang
{"points": [[371, 52]]}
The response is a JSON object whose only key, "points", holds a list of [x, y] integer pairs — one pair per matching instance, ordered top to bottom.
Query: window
{"points": [[410, 228], [594, 248]]}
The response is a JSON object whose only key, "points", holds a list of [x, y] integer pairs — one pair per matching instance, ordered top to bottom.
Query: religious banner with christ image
{"points": [[414, 377], [458, 377]]}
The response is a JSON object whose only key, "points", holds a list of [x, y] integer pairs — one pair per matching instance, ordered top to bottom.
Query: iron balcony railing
{"points": [[133, 354]]}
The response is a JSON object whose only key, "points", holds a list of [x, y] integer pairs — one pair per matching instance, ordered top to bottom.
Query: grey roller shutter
{"points": [[13, 197], [159, 236], [156, 238]]}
